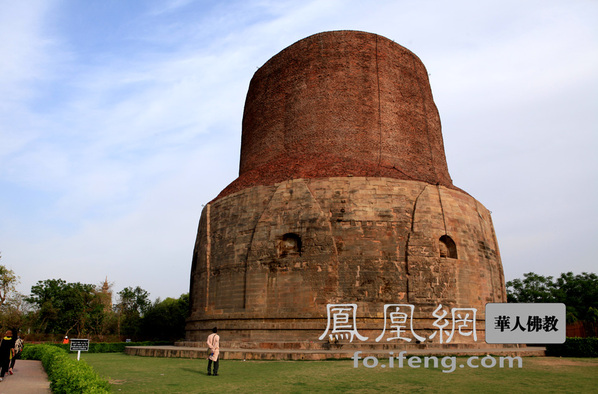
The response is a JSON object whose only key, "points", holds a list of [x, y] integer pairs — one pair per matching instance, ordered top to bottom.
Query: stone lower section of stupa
{"points": [[277, 255]]}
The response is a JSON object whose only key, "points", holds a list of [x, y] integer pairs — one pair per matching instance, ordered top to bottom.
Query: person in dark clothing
{"points": [[7, 348], [17, 352]]}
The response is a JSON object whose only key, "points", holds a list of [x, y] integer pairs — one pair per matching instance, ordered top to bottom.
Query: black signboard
{"points": [[81, 345]]}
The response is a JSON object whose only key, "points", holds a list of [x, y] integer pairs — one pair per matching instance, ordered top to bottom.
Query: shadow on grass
{"points": [[195, 371]]}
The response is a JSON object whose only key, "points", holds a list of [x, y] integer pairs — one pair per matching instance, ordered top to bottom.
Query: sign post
{"points": [[79, 345]]}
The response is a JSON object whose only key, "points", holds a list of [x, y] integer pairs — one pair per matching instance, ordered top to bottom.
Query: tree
{"points": [[8, 282], [533, 288], [578, 292], [11, 301], [132, 305], [63, 307], [13, 313], [165, 320]]}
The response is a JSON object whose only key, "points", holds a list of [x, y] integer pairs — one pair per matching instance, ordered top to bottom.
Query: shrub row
{"points": [[113, 347], [574, 347], [66, 375]]}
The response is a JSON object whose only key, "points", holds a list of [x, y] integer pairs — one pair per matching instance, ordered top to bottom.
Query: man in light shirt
{"points": [[214, 350]]}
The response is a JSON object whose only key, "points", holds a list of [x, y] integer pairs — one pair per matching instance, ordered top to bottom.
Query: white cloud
{"points": [[23, 47]]}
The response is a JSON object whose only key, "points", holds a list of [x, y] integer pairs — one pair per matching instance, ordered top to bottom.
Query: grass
{"points": [[132, 374]]}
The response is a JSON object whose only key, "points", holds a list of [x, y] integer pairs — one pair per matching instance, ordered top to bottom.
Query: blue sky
{"points": [[119, 119]]}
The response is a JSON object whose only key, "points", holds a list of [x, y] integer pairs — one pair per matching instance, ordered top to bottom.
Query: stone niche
{"points": [[343, 197]]}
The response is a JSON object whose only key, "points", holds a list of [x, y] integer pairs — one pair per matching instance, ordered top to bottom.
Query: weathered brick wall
{"points": [[341, 103], [369, 241]]}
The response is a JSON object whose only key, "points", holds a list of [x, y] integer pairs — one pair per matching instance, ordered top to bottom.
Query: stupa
{"points": [[343, 198]]}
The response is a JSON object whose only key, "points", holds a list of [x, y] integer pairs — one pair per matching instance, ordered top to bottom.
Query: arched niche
{"points": [[289, 245], [448, 248]]}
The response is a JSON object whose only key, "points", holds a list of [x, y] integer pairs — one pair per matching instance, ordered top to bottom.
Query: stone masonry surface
{"points": [[368, 241]]}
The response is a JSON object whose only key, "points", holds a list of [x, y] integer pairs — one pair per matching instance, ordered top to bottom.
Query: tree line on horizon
{"points": [[56, 308]]}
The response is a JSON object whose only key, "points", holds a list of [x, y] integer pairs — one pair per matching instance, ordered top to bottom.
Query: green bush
{"points": [[574, 347], [32, 352], [66, 375]]}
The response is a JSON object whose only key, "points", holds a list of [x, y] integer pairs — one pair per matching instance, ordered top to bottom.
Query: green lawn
{"points": [[131, 374]]}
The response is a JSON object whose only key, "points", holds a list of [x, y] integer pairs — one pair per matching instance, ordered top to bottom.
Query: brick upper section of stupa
{"points": [[337, 104]]}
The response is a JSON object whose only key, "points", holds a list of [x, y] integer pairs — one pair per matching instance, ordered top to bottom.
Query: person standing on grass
{"points": [[7, 348], [214, 350], [17, 353]]}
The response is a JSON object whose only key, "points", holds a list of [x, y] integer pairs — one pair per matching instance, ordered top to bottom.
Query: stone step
{"points": [[357, 345], [289, 354]]}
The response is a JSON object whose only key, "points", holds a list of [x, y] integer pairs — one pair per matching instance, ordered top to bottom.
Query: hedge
{"points": [[113, 347], [574, 347], [66, 374]]}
